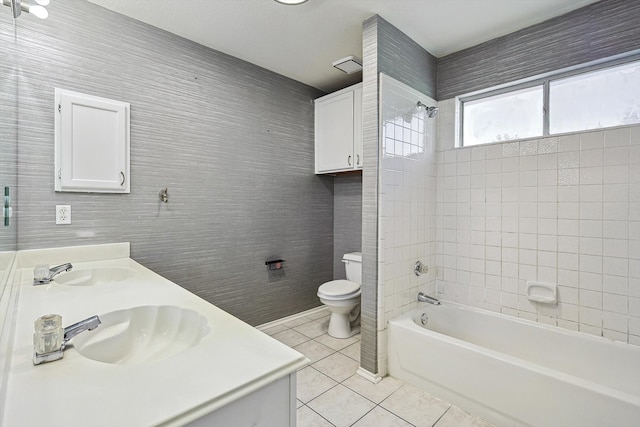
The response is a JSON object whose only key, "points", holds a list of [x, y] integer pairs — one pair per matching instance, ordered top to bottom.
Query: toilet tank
{"points": [[353, 266]]}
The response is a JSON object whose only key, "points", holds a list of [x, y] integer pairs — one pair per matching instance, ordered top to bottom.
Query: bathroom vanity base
{"points": [[272, 405]]}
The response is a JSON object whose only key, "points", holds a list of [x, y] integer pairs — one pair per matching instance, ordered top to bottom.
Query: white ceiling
{"points": [[301, 42]]}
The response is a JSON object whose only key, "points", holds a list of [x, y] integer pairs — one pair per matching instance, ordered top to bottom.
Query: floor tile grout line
{"points": [[321, 322], [289, 327], [333, 352], [322, 358], [330, 388], [354, 391], [366, 398], [376, 405], [392, 413], [443, 414], [320, 415], [364, 415], [402, 418]]}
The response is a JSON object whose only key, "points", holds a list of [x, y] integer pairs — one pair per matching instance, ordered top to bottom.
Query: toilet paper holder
{"points": [[276, 264]]}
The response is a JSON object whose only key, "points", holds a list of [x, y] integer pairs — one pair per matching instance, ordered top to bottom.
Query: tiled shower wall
{"points": [[233, 142], [407, 205], [563, 210]]}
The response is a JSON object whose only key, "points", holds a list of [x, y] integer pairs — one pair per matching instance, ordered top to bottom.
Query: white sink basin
{"points": [[92, 276], [142, 334]]}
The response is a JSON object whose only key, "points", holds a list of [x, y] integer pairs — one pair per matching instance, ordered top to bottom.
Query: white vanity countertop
{"points": [[231, 361]]}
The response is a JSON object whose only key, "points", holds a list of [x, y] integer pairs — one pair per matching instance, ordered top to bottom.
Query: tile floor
{"points": [[330, 393]]}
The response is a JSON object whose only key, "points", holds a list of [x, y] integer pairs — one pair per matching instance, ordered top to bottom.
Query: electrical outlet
{"points": [[63, 214]]}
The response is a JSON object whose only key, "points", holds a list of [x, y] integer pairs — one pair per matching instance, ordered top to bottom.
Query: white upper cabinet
{"points": [[338, 131], [91, 143]]}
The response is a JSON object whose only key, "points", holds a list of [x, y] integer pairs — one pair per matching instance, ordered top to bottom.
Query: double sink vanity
{"points": [[160, 356]]}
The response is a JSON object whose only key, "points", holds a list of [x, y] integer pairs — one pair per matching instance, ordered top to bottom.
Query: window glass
{"points": [[603, 98], [504, 117]]}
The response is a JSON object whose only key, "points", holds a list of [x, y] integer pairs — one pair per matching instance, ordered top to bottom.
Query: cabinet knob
{"points": [[358, 159], [349, 160], [123, 178]]}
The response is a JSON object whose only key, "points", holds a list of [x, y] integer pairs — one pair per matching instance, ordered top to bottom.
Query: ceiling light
{"points": [[291, 2], [349, 65]]}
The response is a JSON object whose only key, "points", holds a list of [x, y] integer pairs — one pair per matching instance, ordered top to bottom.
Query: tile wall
{"points": [[407, 205], [562, 210]]}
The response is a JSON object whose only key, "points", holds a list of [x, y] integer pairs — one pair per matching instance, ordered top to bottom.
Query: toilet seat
{"points": [[339, 290]]}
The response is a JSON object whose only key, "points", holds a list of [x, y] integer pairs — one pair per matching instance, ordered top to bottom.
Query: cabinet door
{"points": [[357, 128], [334, 133], [91, 143]]}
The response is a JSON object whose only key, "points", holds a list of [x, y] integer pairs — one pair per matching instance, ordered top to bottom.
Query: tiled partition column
{"points": [[385, 50], [370, 127], [407, 205], [562, 210]]}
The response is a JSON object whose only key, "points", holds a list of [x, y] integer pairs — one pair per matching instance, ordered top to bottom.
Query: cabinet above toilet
{"points": [[338, 131]]}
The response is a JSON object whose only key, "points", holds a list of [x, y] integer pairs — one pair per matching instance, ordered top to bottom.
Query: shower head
{"points": [[431, 111]]}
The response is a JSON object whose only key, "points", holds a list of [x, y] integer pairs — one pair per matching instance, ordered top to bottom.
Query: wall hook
{"points": [[164, 195]]}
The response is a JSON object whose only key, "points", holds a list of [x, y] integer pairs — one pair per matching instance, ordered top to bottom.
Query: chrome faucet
{"points": [[53, 272], [422, 297], [88, 324]]}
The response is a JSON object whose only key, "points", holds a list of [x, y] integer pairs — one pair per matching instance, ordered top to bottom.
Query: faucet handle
{"points": [[41, 272], [48, 334]]}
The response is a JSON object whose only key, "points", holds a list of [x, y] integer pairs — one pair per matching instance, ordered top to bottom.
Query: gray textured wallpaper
{"points": [[605, 28], [405, 60], [8, 130], [370, 134], [232, 142], [347, 219]]}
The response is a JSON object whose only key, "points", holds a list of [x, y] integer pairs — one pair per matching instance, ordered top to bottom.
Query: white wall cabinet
{"points": [[338, 131], [91, 143]]}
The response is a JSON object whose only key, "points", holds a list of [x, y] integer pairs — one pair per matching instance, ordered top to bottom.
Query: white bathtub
{"points": [[514, 372]]}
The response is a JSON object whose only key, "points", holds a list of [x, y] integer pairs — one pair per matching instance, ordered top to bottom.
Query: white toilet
{"points": [[343, 298]]}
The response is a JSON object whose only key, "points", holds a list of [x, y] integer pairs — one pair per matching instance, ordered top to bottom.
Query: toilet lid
{"points": [[339, 287]]}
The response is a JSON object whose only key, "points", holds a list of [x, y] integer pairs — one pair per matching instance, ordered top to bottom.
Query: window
{"points": [[604, 98], [578, 100], [512, 115]]}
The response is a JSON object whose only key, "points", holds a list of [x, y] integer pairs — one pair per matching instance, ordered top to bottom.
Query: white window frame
{"points": [[543, 80]]}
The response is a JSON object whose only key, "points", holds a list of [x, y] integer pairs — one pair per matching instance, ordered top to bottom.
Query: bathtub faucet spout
{"points": [[422, 297]]}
